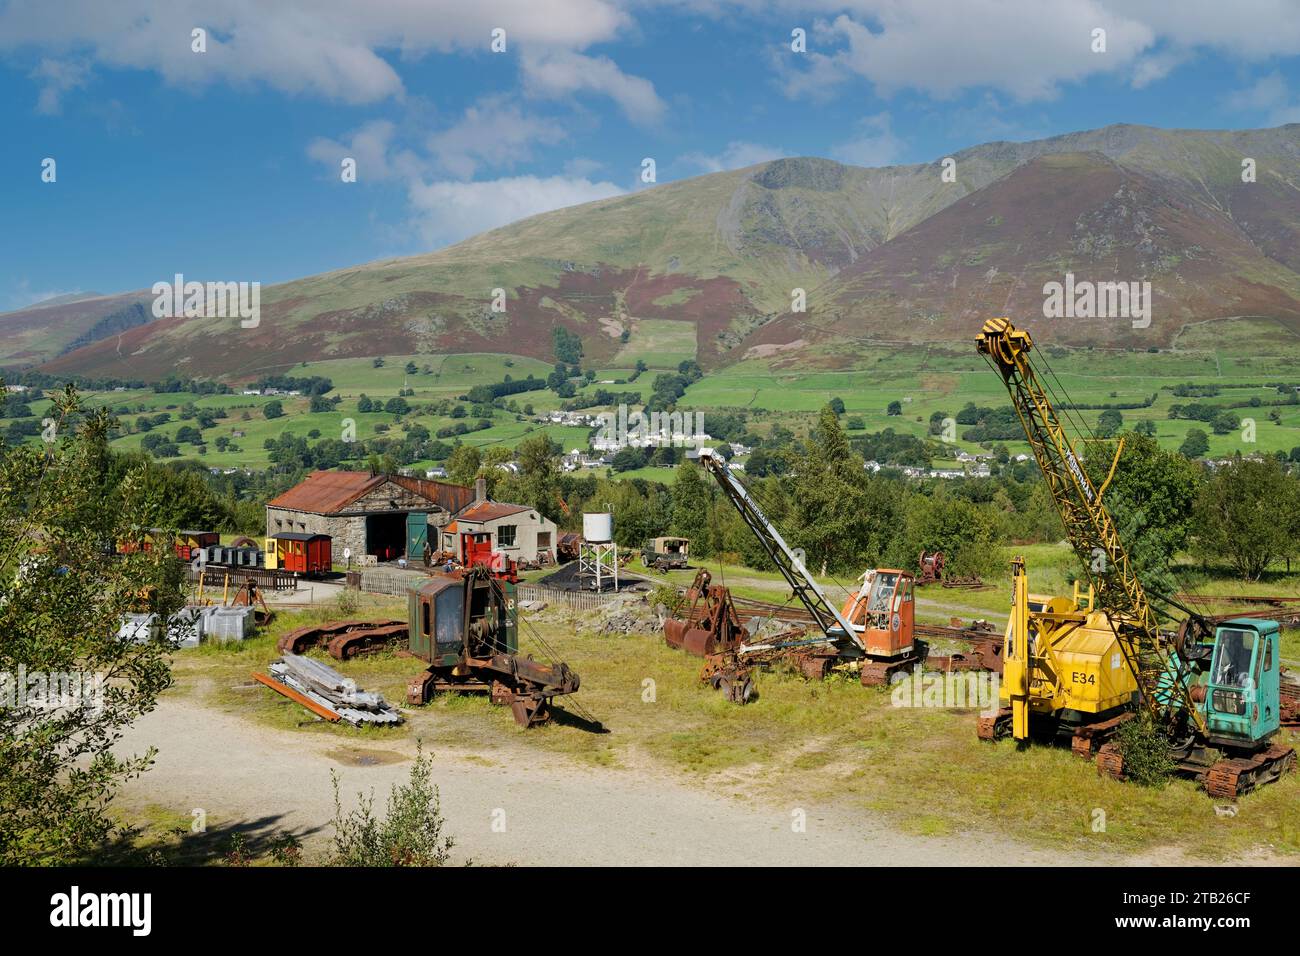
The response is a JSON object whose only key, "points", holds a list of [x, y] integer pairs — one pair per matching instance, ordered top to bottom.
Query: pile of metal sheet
{"points": [[335, 697]]}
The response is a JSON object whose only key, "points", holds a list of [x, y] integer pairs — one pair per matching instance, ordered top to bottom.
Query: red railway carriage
{"points": [[183, 543], [300, 553]]}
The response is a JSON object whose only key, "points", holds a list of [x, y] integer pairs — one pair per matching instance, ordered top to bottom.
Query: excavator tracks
{"points": [[344, 639], [1290, 702], [1230, 778], [1227, 779]]}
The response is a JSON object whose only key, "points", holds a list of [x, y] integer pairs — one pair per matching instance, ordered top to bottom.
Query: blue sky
{"points": [[224, 164]]}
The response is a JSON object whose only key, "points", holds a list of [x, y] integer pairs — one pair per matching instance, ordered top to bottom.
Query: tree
{"points": [[568, 347], [411, 368], [397, 406], [837, 406], [894, 408], [273, 410], [937, 419], [1109, 423], [1224, 423], [1196, 444], [629, 458], [463, 465], [1150, 496], [690, 504], [1247, 514], [837, 515], [967, 533], [61, 605], [411, 833]]}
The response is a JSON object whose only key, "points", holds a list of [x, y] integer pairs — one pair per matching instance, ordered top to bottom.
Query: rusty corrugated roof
{"points": [[325, 492], [329, 492], [449, 497], [490, 510]]}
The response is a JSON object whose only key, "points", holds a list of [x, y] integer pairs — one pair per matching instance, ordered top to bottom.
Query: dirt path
{"points": [[555, 812]]}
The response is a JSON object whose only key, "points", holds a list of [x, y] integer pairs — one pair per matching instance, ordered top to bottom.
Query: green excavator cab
{"points": [[1242, 697]]}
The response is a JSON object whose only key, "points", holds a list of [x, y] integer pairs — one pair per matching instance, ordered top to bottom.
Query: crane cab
{"points": [[882, 613], [1240, 691]]}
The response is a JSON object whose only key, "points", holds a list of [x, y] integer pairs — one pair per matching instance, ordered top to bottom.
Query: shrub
{"points": [[1145, 750], [410, 833]]}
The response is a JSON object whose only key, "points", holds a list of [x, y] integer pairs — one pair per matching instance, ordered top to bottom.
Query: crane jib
{"points": [[1084, 486], [808, 591], [1161, 677]]}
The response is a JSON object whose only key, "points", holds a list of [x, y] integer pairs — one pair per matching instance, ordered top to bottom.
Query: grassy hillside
{"points": [[883, 254]]}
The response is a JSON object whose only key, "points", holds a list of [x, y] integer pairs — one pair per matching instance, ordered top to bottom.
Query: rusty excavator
{"points": [[872, 634]]}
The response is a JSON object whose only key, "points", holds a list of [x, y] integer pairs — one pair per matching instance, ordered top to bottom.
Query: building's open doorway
{"points": [[386, 536]]}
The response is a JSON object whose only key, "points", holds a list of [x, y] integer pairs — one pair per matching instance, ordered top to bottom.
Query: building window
{"points": [[506, 536]]}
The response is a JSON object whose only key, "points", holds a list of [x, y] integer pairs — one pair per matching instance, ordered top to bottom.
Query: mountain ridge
{"points": [[725, 251]]}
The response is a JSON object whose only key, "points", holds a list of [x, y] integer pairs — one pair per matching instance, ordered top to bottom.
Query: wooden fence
{"points": [[266, 579], [389, 582], [574, 600]]}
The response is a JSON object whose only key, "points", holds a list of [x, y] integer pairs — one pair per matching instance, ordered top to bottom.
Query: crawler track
{"points": [[344, 639], [1230, 778]]}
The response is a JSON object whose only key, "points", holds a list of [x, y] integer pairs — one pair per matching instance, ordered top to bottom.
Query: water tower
{"points": [[598, 556]]}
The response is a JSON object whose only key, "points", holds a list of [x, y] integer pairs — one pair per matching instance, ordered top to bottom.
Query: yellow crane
{"points": [[1213, 689]]}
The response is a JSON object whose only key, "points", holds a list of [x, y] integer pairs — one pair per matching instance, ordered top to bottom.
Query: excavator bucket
{"points": [[710, 623]]}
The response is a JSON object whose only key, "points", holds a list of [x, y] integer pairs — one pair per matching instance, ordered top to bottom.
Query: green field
{"points": [[661, 343], [1242, 357], [926, 381]]}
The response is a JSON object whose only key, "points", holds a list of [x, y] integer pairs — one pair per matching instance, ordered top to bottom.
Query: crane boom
{"points": [[1090, 528], [791, 566]]}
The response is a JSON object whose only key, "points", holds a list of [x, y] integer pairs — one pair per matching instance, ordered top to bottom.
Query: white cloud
{"points": [[1247, 29], [326, 48], [1025, 48], [560, 74], [57, 77], [1268, 97], [493, 133], [877, 144], [371, 146], [737, 155], [450, 211]]}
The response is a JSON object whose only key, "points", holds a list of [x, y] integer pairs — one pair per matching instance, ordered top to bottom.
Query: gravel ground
{"points": [[554, 810]]}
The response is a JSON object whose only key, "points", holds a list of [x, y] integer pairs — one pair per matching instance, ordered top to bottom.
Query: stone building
{"points": [[367, 514], [517, 531]]}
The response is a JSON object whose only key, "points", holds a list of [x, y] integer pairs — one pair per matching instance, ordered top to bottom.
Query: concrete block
{"points": [[230, 623], [185, 627], [139, 628]]}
